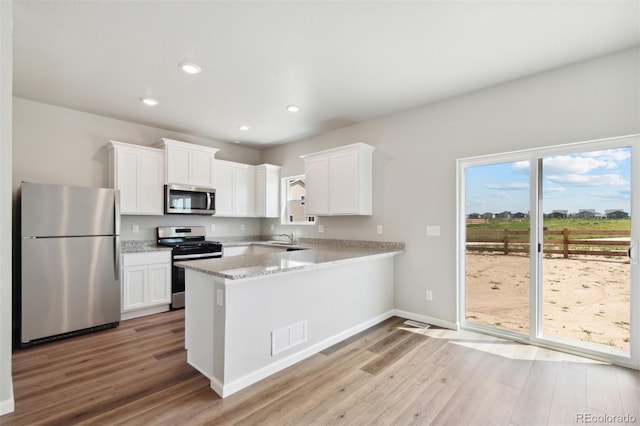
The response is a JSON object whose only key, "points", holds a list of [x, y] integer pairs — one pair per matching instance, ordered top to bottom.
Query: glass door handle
{"points": [[634, 261]]}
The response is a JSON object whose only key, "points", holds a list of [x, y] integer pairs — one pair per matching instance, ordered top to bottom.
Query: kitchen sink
{"points": [[281, 243]]}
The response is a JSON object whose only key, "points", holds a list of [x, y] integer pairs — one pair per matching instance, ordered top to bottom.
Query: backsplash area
{"points": [[216, 227]]}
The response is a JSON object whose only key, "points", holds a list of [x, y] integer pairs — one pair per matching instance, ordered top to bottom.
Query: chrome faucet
{"points": [[291, 237]]}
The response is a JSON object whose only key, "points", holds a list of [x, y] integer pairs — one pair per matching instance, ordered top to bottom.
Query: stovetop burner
{"points": [[186, 239]]}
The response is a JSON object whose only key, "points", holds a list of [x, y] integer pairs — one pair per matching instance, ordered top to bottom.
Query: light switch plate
{"points": [[213, 227], [320, 228], [135, 229]]}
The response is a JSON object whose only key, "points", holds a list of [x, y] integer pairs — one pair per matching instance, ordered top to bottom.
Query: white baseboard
{"points": [[142, 312], [427, 319], [225, 390], [8, 405]]}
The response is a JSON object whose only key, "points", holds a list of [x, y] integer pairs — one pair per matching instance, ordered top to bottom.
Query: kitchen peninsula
{"points": [[248, 317]]}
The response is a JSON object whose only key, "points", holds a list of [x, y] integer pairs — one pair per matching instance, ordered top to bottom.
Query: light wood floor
{"points": [[389, 375]]}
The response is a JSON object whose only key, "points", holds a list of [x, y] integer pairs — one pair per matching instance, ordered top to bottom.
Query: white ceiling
{"points": [[341, 62]]}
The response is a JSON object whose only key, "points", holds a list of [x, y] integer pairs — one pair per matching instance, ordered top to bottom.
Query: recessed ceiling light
{"points": [[190, 68], [150, 101], [293, 108], [244, 127]]}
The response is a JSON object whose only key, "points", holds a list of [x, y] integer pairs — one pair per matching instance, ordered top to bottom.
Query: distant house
{"points": [[558, 214], [585, 214], [616, 214], [488, 215], [503, 215], [520, 215], [474, 216]]}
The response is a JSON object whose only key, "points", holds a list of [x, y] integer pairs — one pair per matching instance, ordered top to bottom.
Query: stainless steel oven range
{"points": [[187, 243]]}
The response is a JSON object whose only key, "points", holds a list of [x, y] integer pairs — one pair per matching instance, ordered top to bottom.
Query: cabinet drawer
{"points": [[147, 258]]}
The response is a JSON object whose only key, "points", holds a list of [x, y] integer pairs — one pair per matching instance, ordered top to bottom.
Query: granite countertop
{"points": [[141, 246], [313, 256]]}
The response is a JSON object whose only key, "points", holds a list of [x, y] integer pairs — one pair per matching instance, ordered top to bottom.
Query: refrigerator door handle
{"points": [[116, 212], [116, 229], [117, 257]]}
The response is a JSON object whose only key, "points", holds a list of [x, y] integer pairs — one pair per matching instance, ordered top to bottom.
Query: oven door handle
{"points": [[196, 256]]}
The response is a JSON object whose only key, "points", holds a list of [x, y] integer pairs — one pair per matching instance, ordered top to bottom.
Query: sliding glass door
{"points": [[497, 245], [548, 247], [586, 272]]}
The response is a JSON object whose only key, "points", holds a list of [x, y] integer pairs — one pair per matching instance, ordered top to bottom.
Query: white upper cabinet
{"points": [[189, 164], [138, 172], [339, 181], [267, 189], [243, 190]]}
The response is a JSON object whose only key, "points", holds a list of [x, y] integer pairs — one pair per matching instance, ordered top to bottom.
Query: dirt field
{"points": [[584, 298]]}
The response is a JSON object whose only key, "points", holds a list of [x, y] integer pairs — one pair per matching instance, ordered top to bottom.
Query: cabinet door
{"points": [[177, 165], [201, 173], [127, 180], [151, 182], [223, 183], [343, 183], [243, 191], [317, 191], [271, 193], [260, 207], [235, 251], [159, 283], [134, 287]]}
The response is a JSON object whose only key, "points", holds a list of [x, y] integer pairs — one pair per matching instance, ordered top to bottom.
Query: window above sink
{"points": [[293, 190]]}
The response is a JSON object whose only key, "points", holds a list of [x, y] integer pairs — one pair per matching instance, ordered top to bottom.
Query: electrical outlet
{"points": [[242, 226], [213, 227], [272, 227], [321, 228], [135, 229], [379, 230], [433, 231], [429, 295], [219, 296]]}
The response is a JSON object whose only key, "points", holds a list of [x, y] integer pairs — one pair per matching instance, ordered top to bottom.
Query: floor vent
{"points": [[416, 324], [288, 337]]}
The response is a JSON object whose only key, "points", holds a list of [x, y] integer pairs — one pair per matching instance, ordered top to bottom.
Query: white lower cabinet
{"points": [[250, 249], [146, 283]]}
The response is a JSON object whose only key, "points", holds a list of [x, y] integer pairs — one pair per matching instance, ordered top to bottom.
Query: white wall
{"points": [[6, 82], [67, 147], [416, 151]]}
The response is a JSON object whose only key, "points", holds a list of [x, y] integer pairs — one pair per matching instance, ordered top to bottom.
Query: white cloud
{"points": [[613, 155], [567, 164], [521, 166], [588, 180], [507, 186], [553, 188], [499, 195], [613, 195]]}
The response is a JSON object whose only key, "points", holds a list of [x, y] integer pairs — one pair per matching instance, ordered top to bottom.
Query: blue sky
{"points": [[599, 180]]}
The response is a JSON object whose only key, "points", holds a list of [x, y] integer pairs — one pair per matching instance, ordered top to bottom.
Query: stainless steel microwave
{"points": [[187, 199]]}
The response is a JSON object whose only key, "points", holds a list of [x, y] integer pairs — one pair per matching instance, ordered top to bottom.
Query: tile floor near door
{"points": [[389, 374]]}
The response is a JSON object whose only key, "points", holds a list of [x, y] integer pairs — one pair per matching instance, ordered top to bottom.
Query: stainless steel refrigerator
{"points": [[70, 261]]}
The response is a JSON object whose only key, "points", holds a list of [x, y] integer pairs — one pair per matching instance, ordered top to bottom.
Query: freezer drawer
{"points": [[68, 284]]}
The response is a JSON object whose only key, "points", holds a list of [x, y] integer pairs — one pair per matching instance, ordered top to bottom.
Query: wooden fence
{"points": [[565, 242]]}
